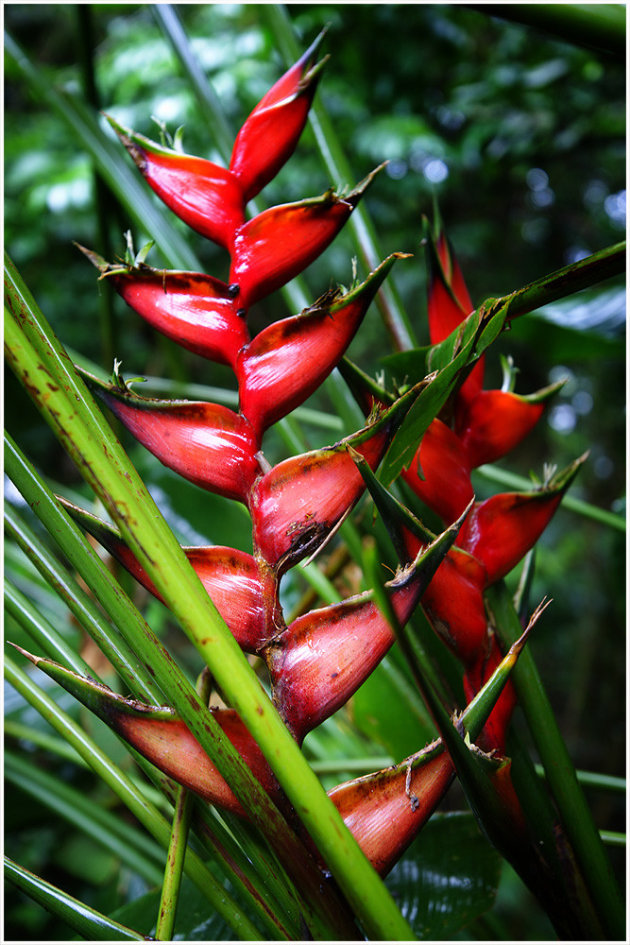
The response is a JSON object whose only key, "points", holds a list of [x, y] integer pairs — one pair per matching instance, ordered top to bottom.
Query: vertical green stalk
{"points": [[559, 770], [169, 897]]}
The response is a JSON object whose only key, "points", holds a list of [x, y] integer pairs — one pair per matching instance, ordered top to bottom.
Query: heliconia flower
{"points": [[270, 134], [204, 195], [273, 247], [195, 310], [268, 382], [494, 421], [489, 423], [206, 443], [296, 505], [495, 535], [242, 591], [323, 657], [385, 811]]}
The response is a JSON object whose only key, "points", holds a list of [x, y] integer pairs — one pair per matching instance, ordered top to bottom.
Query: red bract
{"points": [[270, 134], [205, 196], [279, 243], [449, 303], [195, 310], [269, 384], [495, 421], [206, 443], [439, 473], [296, 505], [242, 593], [325, 655], [384, 811]]}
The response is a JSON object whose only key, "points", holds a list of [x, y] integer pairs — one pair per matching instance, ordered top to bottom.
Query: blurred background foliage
{"points": [[520, 137]]}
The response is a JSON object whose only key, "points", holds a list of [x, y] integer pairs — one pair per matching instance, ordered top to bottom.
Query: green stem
{"points": [[594, 25], [583, 274], [36, 355], [88, 565], [81, 605], [41, 631], [559, 770], [603, 782], [148, 816], [613, 838], [171, 885], [87, 922]]}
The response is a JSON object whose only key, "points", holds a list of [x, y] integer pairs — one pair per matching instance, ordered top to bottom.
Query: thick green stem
{"points": [[43, 367], [559, 770]]}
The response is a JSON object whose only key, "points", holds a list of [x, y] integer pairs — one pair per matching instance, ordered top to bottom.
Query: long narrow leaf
{"points": [[87, 922]]}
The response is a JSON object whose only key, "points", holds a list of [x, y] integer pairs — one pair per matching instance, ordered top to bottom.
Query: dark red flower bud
{"points": [[270, 134], [205, 196], [280, 242], [193, 309], [287, 361], [495, 421], [206, 443], [439, 473], [384, 811]]}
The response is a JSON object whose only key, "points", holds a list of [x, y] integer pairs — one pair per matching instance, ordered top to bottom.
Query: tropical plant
{"points": [[270, 851]]}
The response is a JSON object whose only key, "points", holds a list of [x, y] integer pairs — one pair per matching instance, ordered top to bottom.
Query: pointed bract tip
{"points": [[354, 197], [97, 261], [518, 645], [29, 656]]}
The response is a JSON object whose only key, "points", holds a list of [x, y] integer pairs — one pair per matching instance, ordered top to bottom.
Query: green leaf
{"points": [[448, 877], [91, 925]]}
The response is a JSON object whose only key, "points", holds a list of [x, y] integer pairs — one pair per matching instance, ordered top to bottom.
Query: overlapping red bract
{"points": [[317, 662]]}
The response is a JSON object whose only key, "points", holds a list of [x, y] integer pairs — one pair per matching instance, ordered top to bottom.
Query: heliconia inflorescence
{"points": [[318, 660]]}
